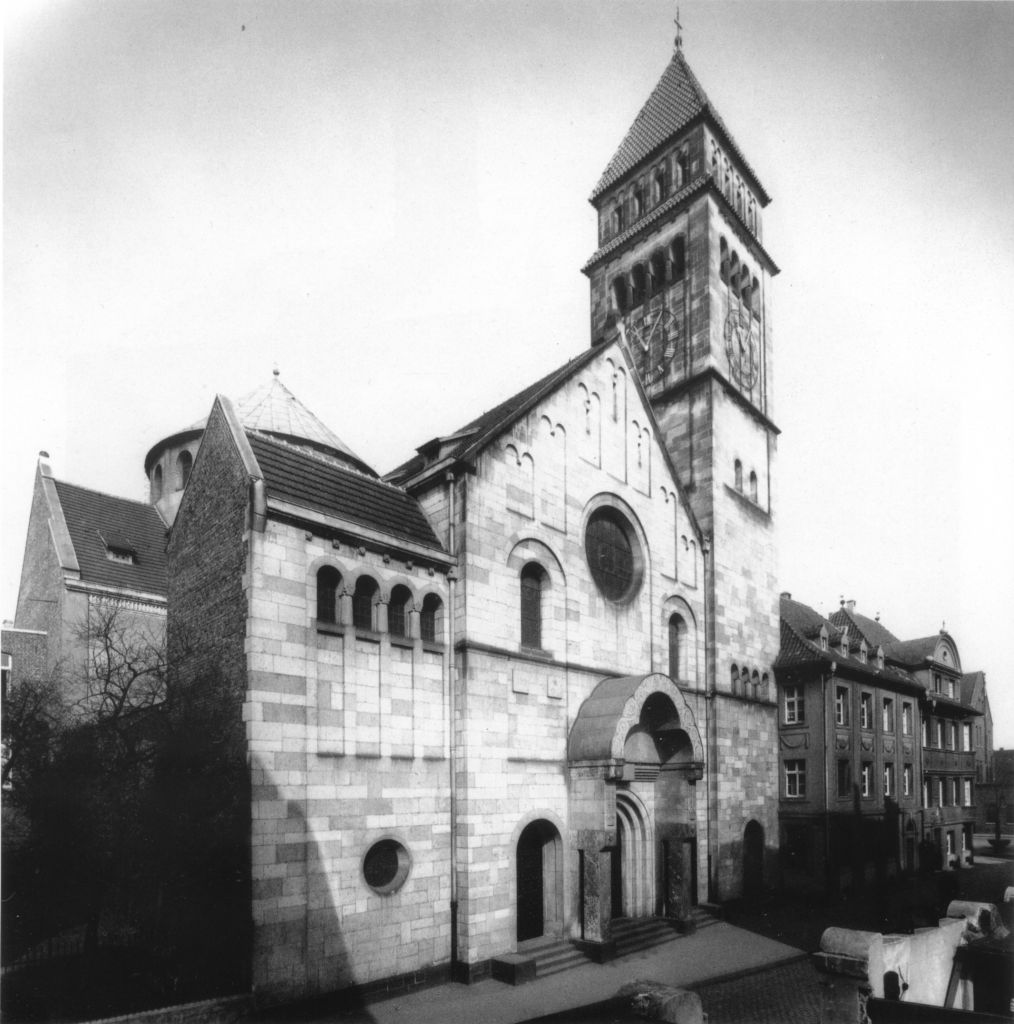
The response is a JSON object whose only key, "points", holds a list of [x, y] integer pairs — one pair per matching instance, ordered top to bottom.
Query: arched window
{"points": [[681, 167], [727, 183], [739, 199], [637, 200], [616, 218], [723, 255], [678, 256], [657, 268], [733, 279], [638, 283], [744, 286], [620, 296], [755, 299], [184, 463], [737, 469], [156, 483], [753, 485], [532, 577], [328, 581], [362, 603], [397, 611], [431, 618], [677, 647], [734, 679], [755, 684], [764, 686]]}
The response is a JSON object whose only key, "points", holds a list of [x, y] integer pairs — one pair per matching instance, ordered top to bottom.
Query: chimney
{"points": [[44, 467], [786, 596], [851, 606]]}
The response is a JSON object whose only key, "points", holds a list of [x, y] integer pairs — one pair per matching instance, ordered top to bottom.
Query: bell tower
{"points": [[681, 273]]}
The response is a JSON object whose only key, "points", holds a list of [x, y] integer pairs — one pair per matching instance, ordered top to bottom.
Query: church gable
{"points": [[583, 460]]}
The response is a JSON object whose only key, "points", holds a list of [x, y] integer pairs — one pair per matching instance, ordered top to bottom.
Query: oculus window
{"points": [[613, 554], [386, 866]]}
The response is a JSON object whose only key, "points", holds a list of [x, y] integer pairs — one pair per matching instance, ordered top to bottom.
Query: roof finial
{"points": [[678, 42], [276, 372], [943, 626]]}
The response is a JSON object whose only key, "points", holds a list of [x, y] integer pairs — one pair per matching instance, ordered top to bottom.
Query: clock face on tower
{"points": [[652, 339], [741, 348]]}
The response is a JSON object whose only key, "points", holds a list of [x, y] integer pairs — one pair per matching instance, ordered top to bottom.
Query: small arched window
{"points": [[681, 167], [637, 200], [616, 218], [723, 255], [678, 256], [657, 268], [733, 279], [638, 284], [744, 286], [620, 296], [755, 299], [184, 463], [737, 471], [156, 483], [753, 485], [532, 577], [328, 581], [363, 601], [397, 611], [431, 618], [678, 654], [734, 679], [765, 683], [755, 684]]}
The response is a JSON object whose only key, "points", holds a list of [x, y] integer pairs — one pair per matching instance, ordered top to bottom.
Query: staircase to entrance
{"points": [[544, 957]]}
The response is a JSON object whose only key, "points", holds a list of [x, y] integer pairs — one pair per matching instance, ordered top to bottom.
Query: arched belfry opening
{"points": [[634, 757]]}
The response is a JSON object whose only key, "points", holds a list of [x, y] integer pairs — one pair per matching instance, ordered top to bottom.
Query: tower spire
{"points": [[678, 41]]}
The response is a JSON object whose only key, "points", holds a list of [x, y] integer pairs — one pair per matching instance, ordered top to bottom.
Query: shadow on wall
{"points": [[299, 958]]}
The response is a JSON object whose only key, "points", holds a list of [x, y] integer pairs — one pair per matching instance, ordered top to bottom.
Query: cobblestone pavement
{"points": [[787, 994]]}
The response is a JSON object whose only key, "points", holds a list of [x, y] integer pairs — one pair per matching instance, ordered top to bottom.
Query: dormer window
{"points": [[119, 549], [823, 638], [845, 644], [862, 652], [880, 657]]}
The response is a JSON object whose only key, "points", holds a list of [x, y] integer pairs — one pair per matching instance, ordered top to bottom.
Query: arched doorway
{"points": [[753, 859], [633, 871], [539, 881]]}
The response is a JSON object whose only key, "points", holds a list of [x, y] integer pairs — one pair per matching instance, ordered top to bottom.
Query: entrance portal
{"points": [[753, 858], [633, 872], [539, 884]]}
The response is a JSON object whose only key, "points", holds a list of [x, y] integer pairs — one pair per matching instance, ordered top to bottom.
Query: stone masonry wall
{"points": [[589, 443], [348, 739]]}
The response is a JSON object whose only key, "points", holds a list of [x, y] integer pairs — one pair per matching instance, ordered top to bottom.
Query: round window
{"points": [[612, 553], [385, 866]]}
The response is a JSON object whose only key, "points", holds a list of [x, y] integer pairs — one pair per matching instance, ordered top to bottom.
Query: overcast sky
{"points": [[388, 202]]}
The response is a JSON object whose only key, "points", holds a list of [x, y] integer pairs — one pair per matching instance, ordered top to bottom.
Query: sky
{"points": [[387, 201]]}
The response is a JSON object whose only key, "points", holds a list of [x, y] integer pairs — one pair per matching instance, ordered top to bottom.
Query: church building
{"points": [[520, 690]]}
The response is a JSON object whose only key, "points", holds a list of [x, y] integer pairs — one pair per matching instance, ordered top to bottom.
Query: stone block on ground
{"points": [[655, 1001]]}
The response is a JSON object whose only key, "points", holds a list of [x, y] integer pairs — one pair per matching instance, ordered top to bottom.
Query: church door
{"points": [[616, 874], [530, 885]]}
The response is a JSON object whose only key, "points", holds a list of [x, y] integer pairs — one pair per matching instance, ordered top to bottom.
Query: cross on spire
{"points": [[678, 42]]}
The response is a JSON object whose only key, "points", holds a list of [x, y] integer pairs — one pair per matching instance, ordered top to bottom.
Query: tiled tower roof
{"points": [[675, 101]]}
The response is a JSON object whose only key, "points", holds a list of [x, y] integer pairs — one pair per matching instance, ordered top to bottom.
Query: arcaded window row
{"points": [[664, 267], [366, 597]]}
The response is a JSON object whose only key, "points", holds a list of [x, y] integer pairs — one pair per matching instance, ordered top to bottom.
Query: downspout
{"points": [[826, 707], [711, 713], [452, 715]]}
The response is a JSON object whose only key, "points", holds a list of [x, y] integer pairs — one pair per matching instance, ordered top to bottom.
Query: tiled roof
{"points": [[675, 101], [471, 437], [315, 482], [98, 521], [868, 629], [800, 630], [912, 652], [970, 683]]}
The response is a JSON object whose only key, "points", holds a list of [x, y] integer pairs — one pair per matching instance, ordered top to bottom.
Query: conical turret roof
{"points": [[676, 100], [273, 409]]}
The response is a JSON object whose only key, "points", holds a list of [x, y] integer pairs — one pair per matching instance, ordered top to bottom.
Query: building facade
{"points": [[522, 687], [877, 764]]}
